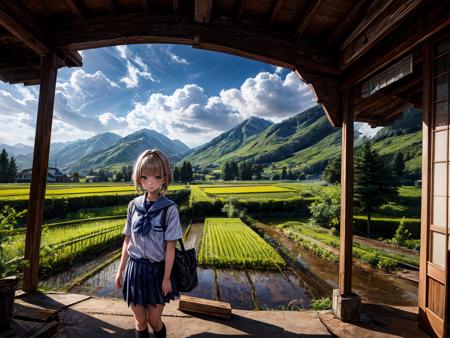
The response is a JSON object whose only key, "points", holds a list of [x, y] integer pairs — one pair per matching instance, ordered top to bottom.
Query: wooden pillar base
{"points": [[346, 307]]}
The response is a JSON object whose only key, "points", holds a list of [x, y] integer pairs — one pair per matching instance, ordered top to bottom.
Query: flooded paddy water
{"points": [[308, 277]]}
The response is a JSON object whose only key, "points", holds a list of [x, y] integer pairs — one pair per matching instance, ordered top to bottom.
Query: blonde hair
{"points": [[152, 163]]}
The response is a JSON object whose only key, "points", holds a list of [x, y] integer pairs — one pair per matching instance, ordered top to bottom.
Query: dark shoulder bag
{"points": [[185, 264]]}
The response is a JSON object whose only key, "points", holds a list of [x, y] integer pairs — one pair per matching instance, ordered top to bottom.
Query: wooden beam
{"points": [[277, 5], [145, 6], [110, 7], [177, 7], [75, 8], [240, 8], [203, 9], [305, 18], [348, 21], [380, 26], [219, 35], [28, 37], [400, 43], [39, 171], [425, 218], [346, 235]]}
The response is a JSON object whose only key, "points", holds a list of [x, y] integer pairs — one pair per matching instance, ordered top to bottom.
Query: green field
{"points": [[242, 189], [21, 191], [228, 242]]}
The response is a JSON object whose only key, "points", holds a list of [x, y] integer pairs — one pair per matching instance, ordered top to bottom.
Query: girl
{"points": [[148, 252]]}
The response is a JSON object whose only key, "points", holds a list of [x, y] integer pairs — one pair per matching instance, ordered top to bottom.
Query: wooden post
{"points": [[39, 171], [346, 239]]}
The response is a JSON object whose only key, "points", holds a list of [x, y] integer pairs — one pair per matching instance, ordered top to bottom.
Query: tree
{"points": [[398, 165], [4, 166], [12, 170], [234, 170], [257, 170], [245, 171], [189, 172], [332, 172], [284, 173], [176, 174], [227, 174], [373, 184]]}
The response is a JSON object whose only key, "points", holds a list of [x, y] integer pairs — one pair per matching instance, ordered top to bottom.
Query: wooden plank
{"points": [[277, 5], [145, 6], [110, 7], [177, 7], [75, 8], [240, 8], [203, 9], [305, 18], [348, 21], [379, 28], [29, 38], [400, 43], [426, 163], [39, 171], [346, 235], [205, 306], [24, 310], [435, 322]]}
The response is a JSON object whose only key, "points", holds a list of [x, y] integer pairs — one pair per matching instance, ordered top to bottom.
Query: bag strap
{"points": [[164, 226]]}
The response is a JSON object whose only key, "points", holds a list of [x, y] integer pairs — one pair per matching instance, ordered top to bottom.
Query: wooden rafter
{"points": [[277, 5], [145, 6], [110, 7], [177, 7], [75, 8], [240, 8], [203, 10], [305, 17], [348, 21], [381, 23], [30, 38], [401, 43]]}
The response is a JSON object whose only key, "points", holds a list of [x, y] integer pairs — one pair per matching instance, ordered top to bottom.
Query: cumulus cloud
{"points": [[136, 68]]}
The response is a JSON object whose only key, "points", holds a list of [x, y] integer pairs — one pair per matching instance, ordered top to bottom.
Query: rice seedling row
{"points": [[228, 242]]}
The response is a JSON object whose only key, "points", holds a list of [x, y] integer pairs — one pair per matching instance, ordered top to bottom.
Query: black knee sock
{"points": [[161, 333], [142, 334]]}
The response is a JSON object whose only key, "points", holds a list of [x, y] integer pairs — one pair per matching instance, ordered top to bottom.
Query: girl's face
{"points": [[151, 183]]}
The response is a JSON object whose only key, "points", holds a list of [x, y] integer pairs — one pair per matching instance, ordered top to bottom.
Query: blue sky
{"points": [[185, 93]]}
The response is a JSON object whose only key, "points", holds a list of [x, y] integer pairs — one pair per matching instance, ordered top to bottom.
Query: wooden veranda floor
{"points": [[72, 315]]}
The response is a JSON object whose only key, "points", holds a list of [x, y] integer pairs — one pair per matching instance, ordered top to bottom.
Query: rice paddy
{"points": [[245, 189], [228, 242]]}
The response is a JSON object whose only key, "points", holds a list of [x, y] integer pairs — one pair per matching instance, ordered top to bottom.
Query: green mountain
{"points": [[308, 142], [127, 149], [72, 152], [213, 153]]}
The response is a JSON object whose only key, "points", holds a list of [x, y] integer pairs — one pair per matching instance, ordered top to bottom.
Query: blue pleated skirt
{"points": [[143, 283]]}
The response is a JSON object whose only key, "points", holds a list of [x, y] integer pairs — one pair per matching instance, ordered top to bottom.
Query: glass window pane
{"points": [[442, 46], [441, 65], [441, 85], [441, 114], [440, 146], [440, 179], [439, 210], [438, 251]]}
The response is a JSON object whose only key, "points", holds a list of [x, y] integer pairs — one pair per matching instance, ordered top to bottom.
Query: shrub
{"points": [[325, 209], [401, 234], [371, 258], [387, 263], [323, 303]]}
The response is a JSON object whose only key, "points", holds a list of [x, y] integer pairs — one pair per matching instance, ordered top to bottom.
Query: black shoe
{"points": [[161, 333], [142, 334]]}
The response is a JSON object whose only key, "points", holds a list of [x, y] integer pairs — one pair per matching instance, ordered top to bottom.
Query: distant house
{"points": [[53, 175], [92, 178]]}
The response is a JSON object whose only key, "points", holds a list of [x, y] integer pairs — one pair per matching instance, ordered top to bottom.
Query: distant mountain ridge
{"points": [[227, 142], [127, 149]]}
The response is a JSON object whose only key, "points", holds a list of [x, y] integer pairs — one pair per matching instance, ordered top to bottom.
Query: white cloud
{"points": [[123, 51], [177, 59], [132, 78], [366, 130]]}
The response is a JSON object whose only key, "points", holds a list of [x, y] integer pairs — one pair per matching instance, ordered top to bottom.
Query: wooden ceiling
{"points": [[333, 45]]}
